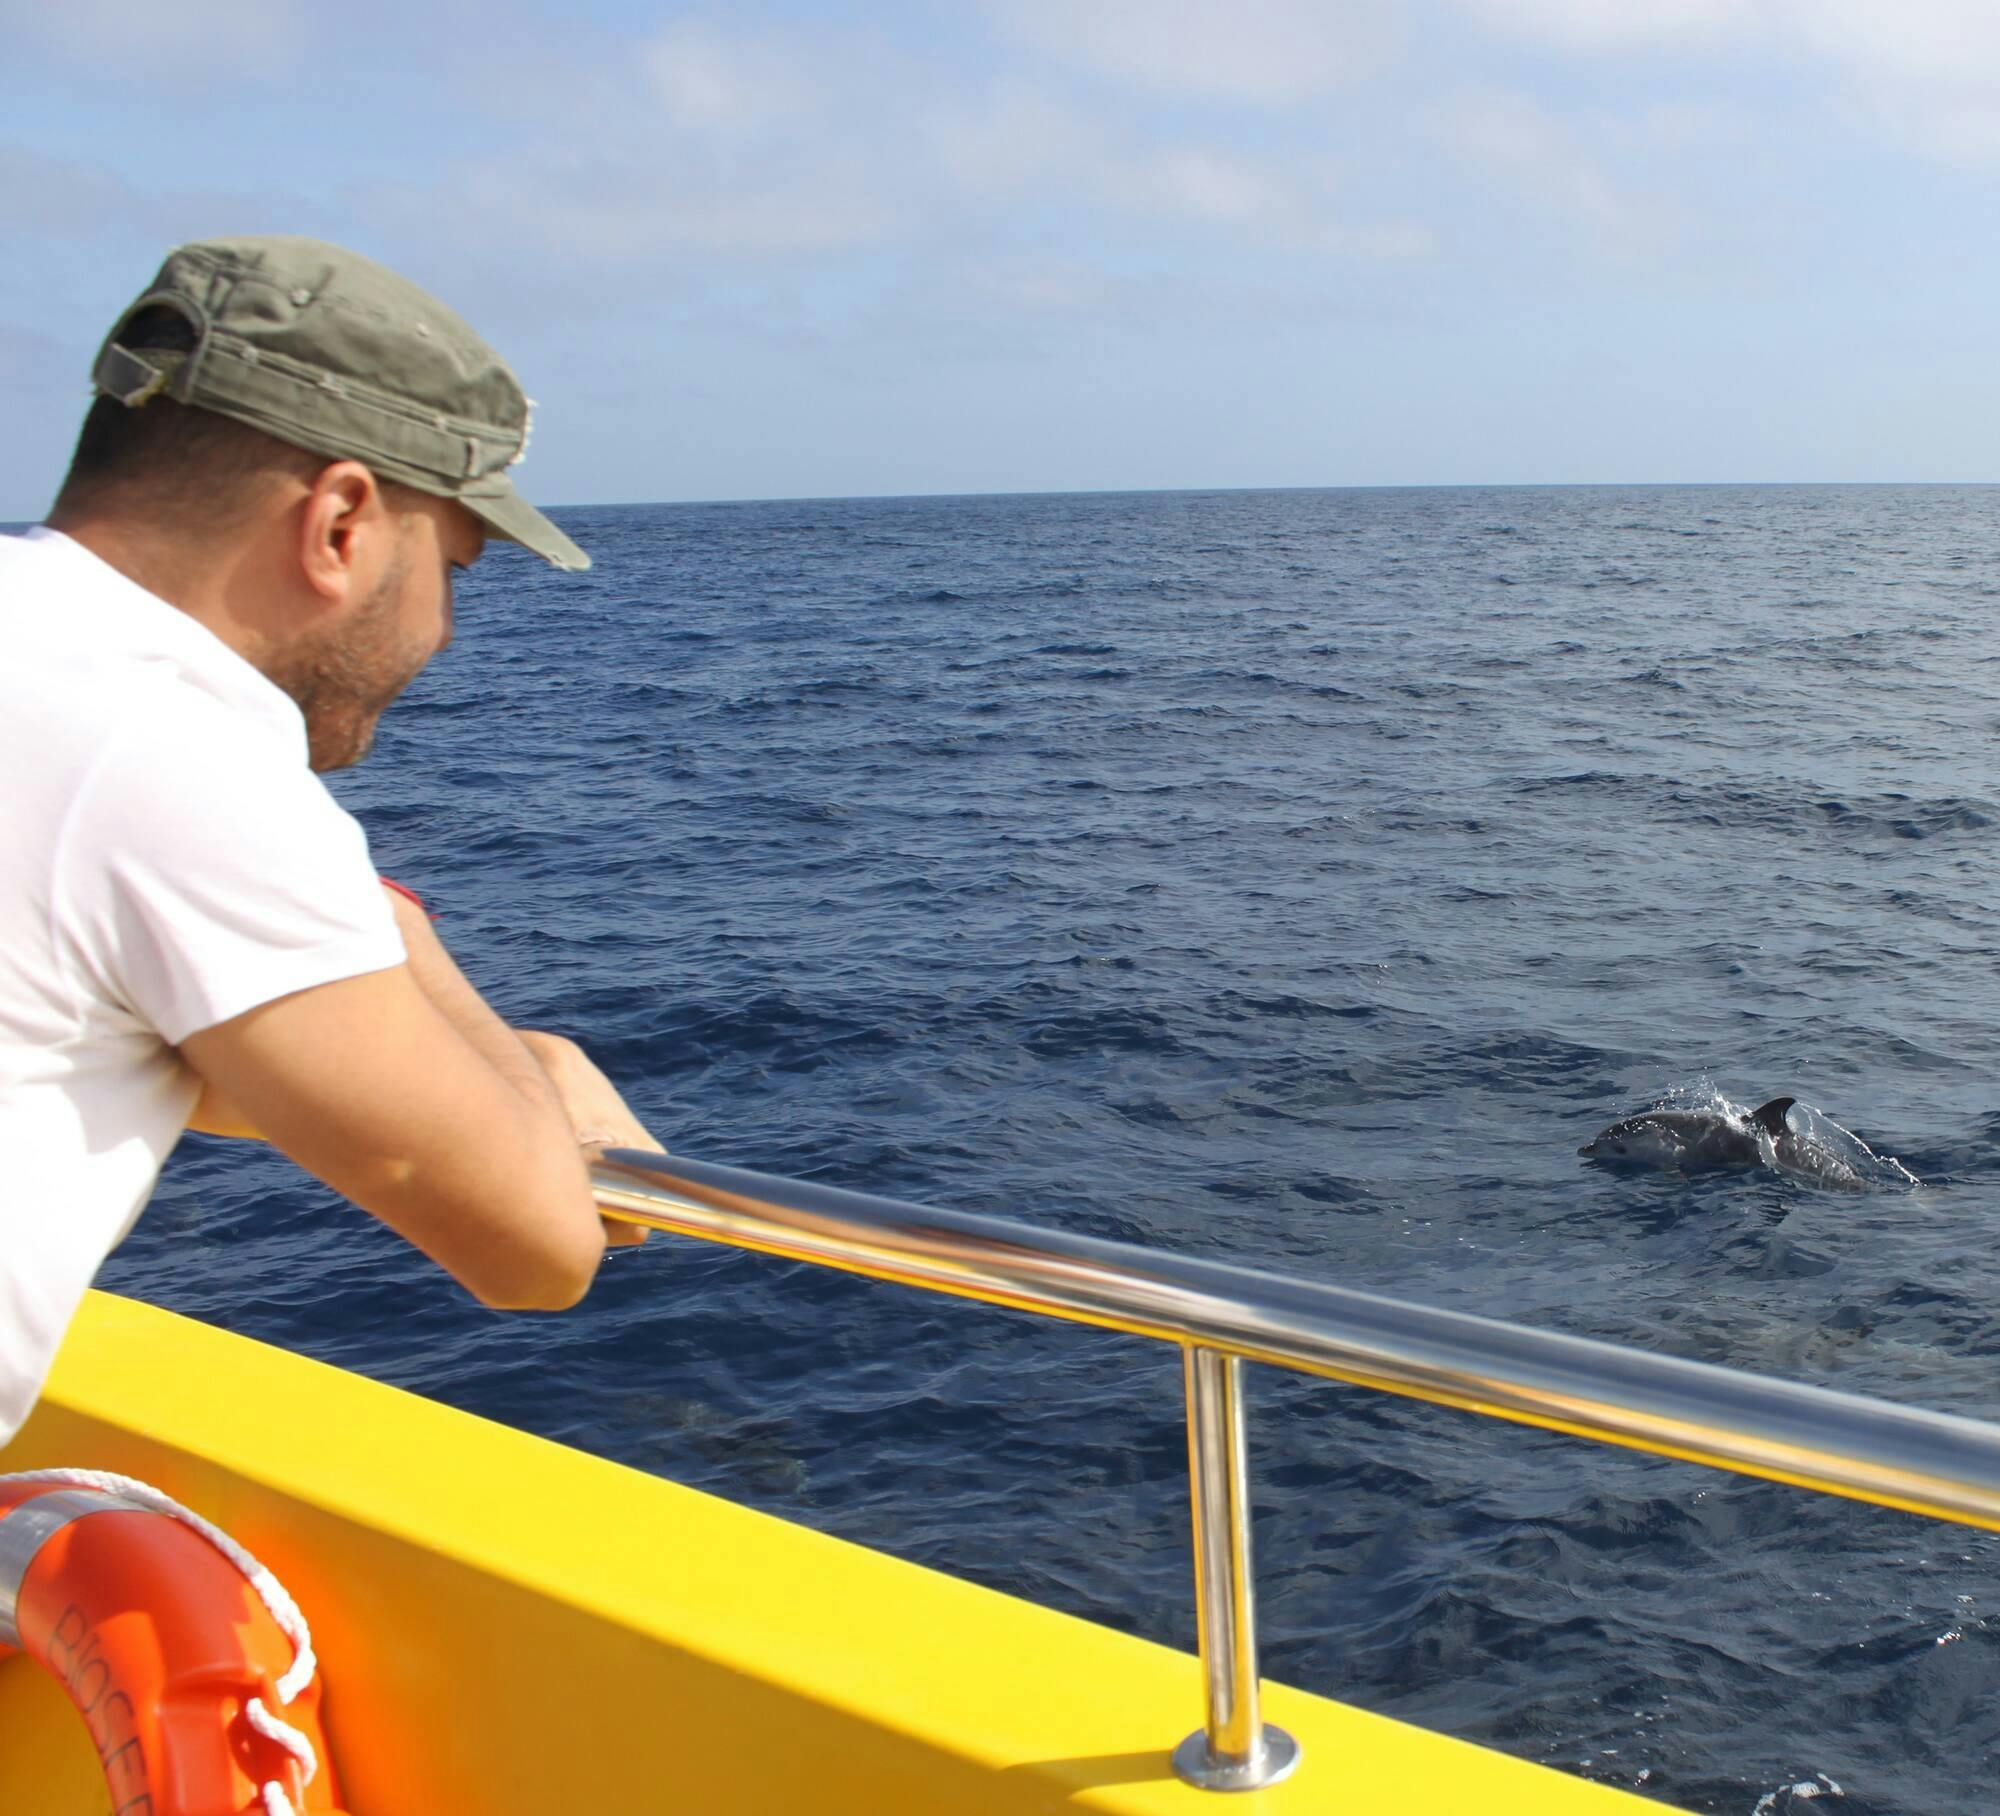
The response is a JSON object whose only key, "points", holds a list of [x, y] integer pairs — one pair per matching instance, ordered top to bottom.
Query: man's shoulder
{"points": [[40, 560], [31, 575], [60, 605], [92, 660], [63, 720], [107, 720]]}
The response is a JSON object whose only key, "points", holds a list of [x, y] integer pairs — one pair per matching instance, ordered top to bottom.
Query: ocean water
{"points": [[1293, 877]]}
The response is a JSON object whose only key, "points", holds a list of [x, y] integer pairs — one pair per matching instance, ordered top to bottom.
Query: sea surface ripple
{"points": [[1294, 877]]}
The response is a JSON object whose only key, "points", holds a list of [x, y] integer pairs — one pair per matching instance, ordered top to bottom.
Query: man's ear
{"points": [[341, 513]]}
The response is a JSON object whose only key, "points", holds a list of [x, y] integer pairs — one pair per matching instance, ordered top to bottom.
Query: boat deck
{"points": [[507, 1625]]}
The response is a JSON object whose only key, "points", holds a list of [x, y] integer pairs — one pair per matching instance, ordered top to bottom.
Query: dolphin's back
{"points": [[1682, 1139]]}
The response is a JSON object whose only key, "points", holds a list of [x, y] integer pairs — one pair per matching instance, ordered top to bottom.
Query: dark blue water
{"points": [[1296, 877]]}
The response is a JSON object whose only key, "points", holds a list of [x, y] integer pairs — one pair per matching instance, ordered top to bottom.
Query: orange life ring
{"points": [[163, 1646]]}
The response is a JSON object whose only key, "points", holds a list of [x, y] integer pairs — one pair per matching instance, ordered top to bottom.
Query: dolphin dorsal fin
{"points": [[1770, 1117]]}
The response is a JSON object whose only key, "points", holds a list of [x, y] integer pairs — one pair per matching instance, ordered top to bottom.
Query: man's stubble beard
{"points": [[342, 679]]}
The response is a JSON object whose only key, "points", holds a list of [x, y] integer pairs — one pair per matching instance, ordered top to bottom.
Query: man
{"points": [[291, 452]]}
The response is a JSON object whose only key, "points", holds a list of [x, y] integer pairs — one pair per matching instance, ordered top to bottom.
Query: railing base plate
{"points": [[1276, 1759]]}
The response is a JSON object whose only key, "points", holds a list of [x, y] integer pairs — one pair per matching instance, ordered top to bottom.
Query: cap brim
{"points": [[507, 514]]}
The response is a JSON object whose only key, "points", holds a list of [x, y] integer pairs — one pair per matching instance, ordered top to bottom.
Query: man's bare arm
{"points": [[403, 1091], [598, 1116]]}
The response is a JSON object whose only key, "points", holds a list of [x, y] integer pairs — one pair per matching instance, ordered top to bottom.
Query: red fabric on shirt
{"points": [[408, 895]]}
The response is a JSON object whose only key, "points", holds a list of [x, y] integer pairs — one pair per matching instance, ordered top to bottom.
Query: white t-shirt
{"points": [[167, 861]]}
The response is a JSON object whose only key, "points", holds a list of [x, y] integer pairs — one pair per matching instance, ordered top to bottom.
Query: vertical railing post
{"points": [[1234, 1750]]}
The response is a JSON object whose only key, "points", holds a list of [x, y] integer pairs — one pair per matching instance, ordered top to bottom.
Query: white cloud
{"points": [[1618, 24], [1930, 40], [203, 41], [1948, 44], [1233, 50], [1926, 70], [714, 80], [1675, 126], [700, 140], [1012, 140], [745, 144], [1013, 144], [1016, 146], [1522, 148], [1209, 185], [1272, 200], [611, 215], [1390, 240], [1041, 284]]}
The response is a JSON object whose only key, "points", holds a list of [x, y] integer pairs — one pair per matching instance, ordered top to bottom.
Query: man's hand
{"points": [[600, 1117]]}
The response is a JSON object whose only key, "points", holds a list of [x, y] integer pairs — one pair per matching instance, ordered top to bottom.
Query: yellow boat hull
{"points": [[507, 1625]]}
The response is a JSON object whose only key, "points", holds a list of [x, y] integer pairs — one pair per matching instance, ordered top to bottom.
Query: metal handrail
{"points": [[1922, 1462]]}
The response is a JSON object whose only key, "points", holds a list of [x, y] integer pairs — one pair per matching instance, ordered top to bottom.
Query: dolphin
{"points": [[1784, 1134], [1691, 1141]]}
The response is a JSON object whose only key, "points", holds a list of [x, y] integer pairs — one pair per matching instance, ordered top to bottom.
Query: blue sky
{"points": [[1002, 245]]}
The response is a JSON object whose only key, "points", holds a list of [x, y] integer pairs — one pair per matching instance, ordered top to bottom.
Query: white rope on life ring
{"points": [[271, 1592]]}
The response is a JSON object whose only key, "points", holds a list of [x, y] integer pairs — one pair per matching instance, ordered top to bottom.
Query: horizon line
{"points": [[1427, 485], [13, 525]]}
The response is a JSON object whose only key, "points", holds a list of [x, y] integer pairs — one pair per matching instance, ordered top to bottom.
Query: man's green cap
{"points": [[336, 354]]}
